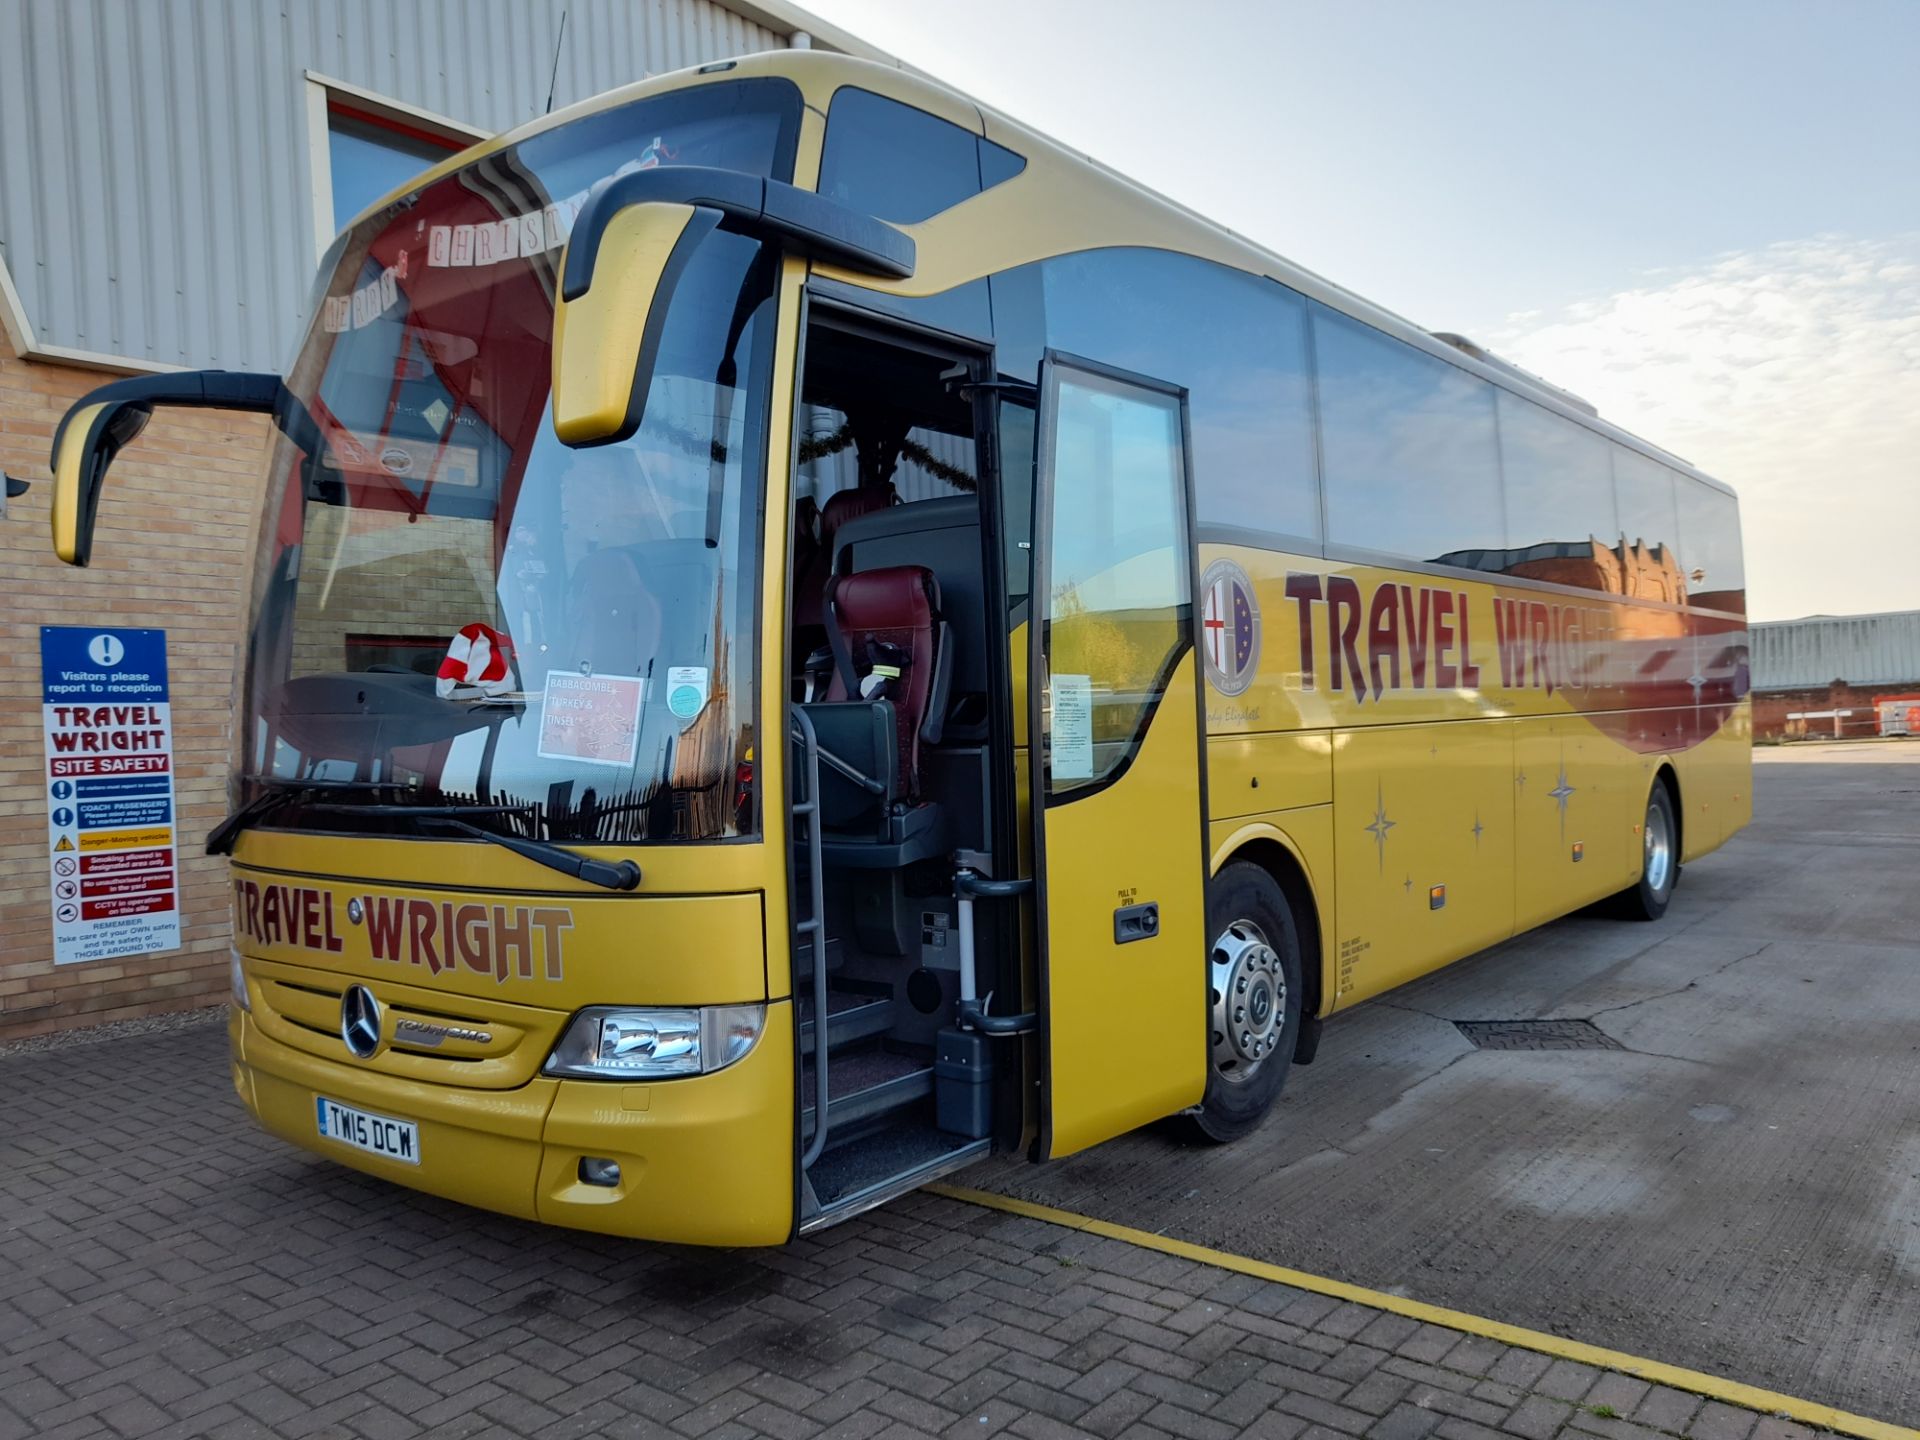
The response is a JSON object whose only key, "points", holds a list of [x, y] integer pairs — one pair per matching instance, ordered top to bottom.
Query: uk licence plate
{"points": [[362, 1129]]}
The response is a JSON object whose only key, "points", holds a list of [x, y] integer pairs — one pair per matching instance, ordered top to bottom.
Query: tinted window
{"points": [[901, 164], [1237, 342], [1407, 442], [1558, 484], [1643, 494], [1559, 497], [1710, 546]]}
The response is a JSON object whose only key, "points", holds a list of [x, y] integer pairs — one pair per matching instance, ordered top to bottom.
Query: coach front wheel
{"points": [[1254, 997]]}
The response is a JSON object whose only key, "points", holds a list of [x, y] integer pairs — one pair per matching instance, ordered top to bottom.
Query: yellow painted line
{"points": [[1750, 1397]]}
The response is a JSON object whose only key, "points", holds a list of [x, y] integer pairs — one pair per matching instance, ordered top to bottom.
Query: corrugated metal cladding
{"points": [[156, 201], [1859, 649]]}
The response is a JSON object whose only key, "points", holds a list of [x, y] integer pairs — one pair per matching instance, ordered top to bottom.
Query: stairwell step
{"points": [[852, 1015], [867, 1083]]}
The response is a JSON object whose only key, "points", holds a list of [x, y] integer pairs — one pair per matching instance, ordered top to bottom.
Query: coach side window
{"points": [[901, 164], [1237, 342], [1407, 445], [1643, 491], [1559, 497], [1649, 525], [1709, 546]]}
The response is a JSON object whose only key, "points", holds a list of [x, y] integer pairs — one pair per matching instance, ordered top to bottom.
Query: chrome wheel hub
{"points": [[1659, 849], [1249, 1000]]}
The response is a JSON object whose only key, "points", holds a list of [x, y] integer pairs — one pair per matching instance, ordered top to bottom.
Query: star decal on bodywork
{"points": [[1561, 793], [1381, 825]]}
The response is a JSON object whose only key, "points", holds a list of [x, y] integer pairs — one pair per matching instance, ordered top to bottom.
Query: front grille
{"points": [[505, 1048]]}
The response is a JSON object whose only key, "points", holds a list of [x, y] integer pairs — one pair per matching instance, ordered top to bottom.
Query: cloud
{"points": [[1791, 372]]}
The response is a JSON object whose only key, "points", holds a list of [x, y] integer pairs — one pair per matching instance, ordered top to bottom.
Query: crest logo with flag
{"points": [[1229, 627]]}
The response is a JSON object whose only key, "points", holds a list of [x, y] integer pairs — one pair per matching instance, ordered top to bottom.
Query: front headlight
{"points": [[237, 979], [608, 1042]]}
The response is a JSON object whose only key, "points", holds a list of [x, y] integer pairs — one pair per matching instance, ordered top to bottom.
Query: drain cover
{"points": [[1536, 1035]]}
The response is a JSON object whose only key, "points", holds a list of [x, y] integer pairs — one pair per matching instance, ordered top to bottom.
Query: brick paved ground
{"points": [[167, 1271]]}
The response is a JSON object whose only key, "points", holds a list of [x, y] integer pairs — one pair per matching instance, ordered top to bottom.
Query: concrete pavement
{"points": [[1735, 1188], [171, 1272]]}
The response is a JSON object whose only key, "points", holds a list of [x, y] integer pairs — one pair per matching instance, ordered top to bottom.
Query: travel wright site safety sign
{"points": [[113, 877]]}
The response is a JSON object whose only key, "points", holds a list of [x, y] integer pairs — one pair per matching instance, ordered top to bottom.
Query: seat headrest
{"points": [[850, 504], [899, 597]]}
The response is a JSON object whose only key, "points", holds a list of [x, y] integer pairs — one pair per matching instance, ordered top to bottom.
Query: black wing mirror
{"points": [[632, 241], [103, 422]]}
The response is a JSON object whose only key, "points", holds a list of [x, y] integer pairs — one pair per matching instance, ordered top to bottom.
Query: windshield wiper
{"points": [[221, 840], [619, 875]]}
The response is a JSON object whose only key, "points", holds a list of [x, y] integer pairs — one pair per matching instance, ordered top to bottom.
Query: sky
{"points": [[1702, 215]]}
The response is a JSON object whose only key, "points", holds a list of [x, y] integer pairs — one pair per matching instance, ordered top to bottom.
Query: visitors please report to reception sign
{"points": [[113, 877]]}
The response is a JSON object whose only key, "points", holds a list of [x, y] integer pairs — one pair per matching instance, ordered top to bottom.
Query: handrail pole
{"points": [[815, 927]]}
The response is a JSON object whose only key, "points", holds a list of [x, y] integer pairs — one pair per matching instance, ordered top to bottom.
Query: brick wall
{"points": [[173, 551], [1771, 708]]}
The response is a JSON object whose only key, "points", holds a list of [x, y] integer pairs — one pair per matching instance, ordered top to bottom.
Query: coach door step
{"points": [[888, 1163]]}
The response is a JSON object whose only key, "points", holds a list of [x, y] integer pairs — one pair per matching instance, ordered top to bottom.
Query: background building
{"points": [[170, 174], [1832, 662]]}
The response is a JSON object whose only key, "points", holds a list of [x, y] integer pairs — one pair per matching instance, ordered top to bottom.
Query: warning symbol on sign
{"points": [[66, 843]]}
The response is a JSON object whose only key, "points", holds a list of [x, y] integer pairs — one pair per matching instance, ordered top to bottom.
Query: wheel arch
{"points": [[1273, 851]]}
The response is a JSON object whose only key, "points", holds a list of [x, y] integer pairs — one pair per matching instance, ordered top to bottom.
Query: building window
{"points": [[363, 146], [372, 155]]}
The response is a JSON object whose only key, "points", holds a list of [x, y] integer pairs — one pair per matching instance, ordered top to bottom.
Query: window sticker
{"points": [[686, 690], [593, 718], [1072, 727]]}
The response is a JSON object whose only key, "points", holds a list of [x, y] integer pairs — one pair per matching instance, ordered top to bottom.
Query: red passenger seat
{"points": [[816, 567], [890, 618]]}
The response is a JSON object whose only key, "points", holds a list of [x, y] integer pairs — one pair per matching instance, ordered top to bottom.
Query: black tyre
{"points": [[1660, 866], [1254, 976]]}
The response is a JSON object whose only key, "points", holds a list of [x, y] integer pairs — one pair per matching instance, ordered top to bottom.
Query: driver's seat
{"points": [[892, 671]]}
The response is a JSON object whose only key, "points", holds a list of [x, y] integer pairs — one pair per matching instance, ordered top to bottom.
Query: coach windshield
{"points": [[455, 607]]}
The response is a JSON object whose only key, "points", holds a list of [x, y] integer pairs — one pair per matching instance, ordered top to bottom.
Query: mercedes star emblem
{"points": [[360, 1021]]}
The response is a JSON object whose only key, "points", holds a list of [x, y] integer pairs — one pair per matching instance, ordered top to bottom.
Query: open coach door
{"points": [[1117, 779]]}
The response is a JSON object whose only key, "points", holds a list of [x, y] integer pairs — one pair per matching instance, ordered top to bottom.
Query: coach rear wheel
{"points": [[1660, 860], [1254, 985]]}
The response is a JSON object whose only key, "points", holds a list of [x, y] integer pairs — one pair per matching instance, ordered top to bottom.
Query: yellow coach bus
{"points": [[803, 634]]}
